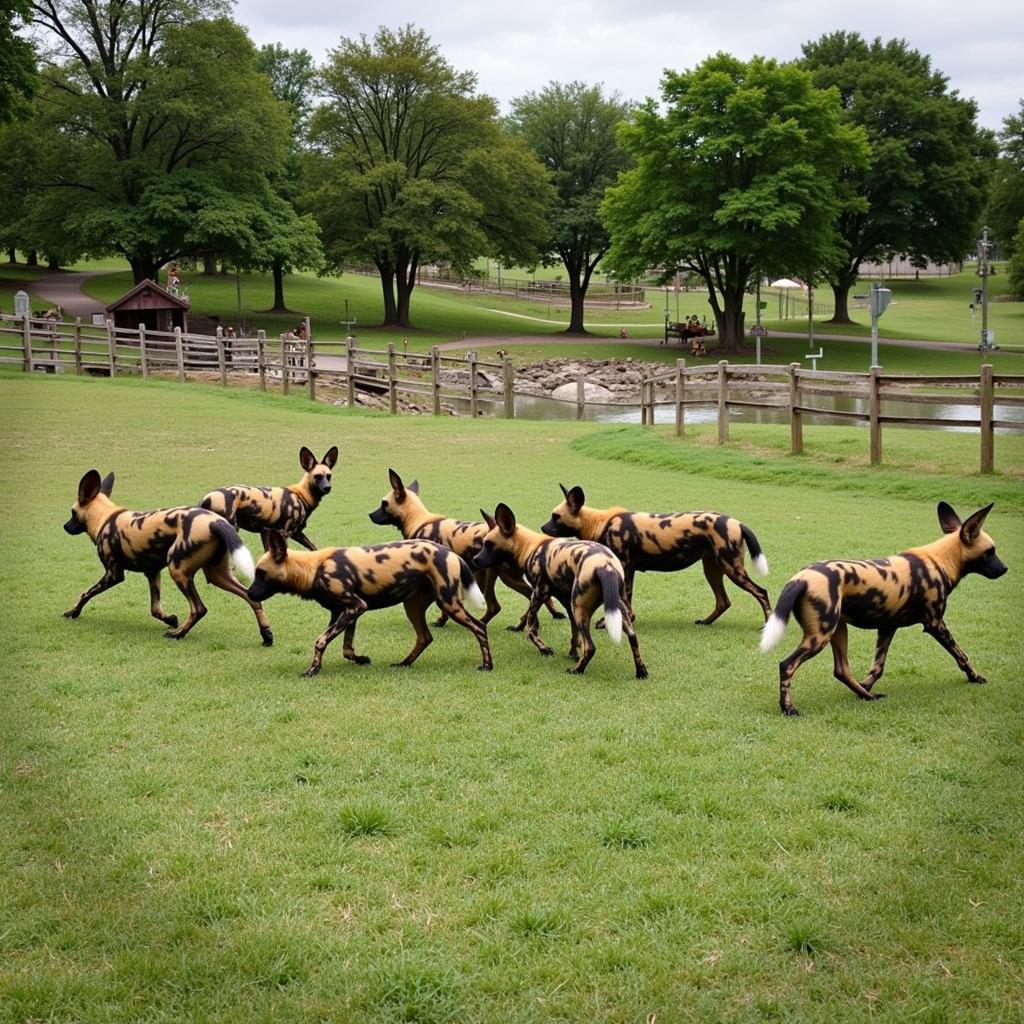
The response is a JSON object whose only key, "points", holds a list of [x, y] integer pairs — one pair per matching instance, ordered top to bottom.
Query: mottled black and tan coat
{"points": [[403, 507], [284, 510], [182, 540], [667, 542], [579, 574], [350, 581], [884, 594]]}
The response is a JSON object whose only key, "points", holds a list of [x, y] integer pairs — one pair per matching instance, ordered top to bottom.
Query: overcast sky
{"points": [[520, 46]]}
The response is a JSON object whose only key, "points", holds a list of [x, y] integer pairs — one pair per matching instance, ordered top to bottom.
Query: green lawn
{"points": [[192, 832]]}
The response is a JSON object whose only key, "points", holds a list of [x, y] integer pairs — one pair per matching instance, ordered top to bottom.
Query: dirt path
{"points": [[64, 289]]}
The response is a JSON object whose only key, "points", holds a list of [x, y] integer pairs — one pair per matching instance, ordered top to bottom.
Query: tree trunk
{"points": [[12, 255], [32, 260], [53, 263], [209, 263], [143, 267], [405, 279], [387, 283], [577, 294], [841, 296], [279, 306], [729, 322]]}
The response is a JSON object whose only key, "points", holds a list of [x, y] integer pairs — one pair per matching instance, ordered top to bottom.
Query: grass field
{"points": [[192, 832]]}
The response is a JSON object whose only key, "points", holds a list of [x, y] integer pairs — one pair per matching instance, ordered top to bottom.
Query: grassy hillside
{"points": [[192, 832]]}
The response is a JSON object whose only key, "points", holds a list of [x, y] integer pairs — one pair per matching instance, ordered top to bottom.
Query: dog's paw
{"points": [[72, 613], [557, 615], [170, 620], [441, 622], [516, 629], [173, 634], [268, 637], [546, 651], [359, 659], [399, 664], [485, 668], [574, 671], [310, 672], [642, 673], [978, 680], [877, 696], [791, 712]]}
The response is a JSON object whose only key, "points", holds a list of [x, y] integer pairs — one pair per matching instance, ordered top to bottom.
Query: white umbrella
{"points": [[785, 282]]}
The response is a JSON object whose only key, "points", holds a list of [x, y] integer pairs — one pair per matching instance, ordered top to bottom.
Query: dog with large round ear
{"points": [[565, 518]]}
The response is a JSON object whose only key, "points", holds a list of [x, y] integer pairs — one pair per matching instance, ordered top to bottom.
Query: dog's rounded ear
{"points": [[331, 457], [307, 460], [108, 484], [397, 486], [89, 487], [414, 487], [565, 493], [575, 499], [506, 519], [948, 519], [489, 520], [970, 530], [278, 546]]}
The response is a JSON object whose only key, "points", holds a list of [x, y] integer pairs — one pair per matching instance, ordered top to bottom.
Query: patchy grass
{"points": [[192, 832]]}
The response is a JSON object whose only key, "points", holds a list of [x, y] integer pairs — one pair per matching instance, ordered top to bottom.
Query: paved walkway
{"points": [[64, 289]]}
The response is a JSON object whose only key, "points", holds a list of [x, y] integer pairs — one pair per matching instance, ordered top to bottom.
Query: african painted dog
{"points": [[403, 507], [285, 510], [182, 540], [647, 542], [578, 573], [350, 581], [883, 594]]}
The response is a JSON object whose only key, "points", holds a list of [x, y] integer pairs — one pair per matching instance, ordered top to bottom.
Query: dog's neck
{"points": [[305, 492], [97, 512], [414, 514], [594, 520], [524, 543], [947, 552], [300, 570]]}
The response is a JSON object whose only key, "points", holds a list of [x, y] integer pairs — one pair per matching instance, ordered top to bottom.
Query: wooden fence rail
{"points": [[487, 384]]}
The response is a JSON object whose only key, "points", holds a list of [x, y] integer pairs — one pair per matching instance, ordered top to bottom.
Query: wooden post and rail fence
{"points": [[435, 379]]}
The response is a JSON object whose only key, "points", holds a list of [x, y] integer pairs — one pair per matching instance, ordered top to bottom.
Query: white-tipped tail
{"points": [[242, 563], [761, 565], [474, 597], [613, 625], [772, 632]]}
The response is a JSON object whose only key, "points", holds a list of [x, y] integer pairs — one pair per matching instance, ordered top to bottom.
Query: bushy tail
{"points": [[754, 547], [241, 559], [610, 583], [470, 591], [792, 592]]}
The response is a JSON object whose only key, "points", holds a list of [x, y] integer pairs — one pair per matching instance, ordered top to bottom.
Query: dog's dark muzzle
{"points": [[382, 518], [73, 526], [555, 529], [485, 560], [261, 589]]}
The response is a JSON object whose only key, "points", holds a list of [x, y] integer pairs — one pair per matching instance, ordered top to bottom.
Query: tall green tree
{"points": [[17, 61], [156, 111], [572, 129], [411, 166], [738, 174], [923, 189], [1006, 202]]}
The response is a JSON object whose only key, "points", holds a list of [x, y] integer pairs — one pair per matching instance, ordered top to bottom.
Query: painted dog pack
{"points": [[285, 510], [181, 540], [647, 542], [579, 574], [350, 581], [884, 594]]}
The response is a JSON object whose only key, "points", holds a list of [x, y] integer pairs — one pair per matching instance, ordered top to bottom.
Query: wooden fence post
{"points": [[26, 342], [78, 344], [112, 347], [142, 350], [179, 354], [222, 365], [284, 365], [311, 365], [261, 366], [350, 371], [509, 375], [435, 379], [392, 386], [581, 393], [680, 396], [987, 401], [723, 408], [473, 411], [874, 411], [796, 417]]}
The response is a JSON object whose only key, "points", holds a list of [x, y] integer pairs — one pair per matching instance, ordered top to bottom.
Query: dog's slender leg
{"points": [[265, 538], [737, 572], [714, 575], [220, 576], [489, 577], [109, 579], [185, 579], [538, 597], [155, 608], [416, 613], [581, 613], [345, 617], [476, 627], [942, 634], [574, 643], [634, 644], [808, 647], [881, 650], [349, 651], [841, 664]]}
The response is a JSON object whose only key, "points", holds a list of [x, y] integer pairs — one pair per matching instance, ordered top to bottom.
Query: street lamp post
{"points": [[983, 272]]}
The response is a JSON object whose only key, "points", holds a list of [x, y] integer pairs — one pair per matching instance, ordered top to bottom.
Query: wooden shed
{"points": [[147, 303]]}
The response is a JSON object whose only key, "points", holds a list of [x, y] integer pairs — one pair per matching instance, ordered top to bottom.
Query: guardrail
{"points": [[41, 344]]}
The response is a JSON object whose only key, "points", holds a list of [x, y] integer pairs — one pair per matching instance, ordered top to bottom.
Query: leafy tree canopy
{"points": [[17, 61], [1006, 204]]}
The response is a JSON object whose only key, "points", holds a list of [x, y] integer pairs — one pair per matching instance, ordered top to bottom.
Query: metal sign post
{"points": [[984, 247], [879, 300]]}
